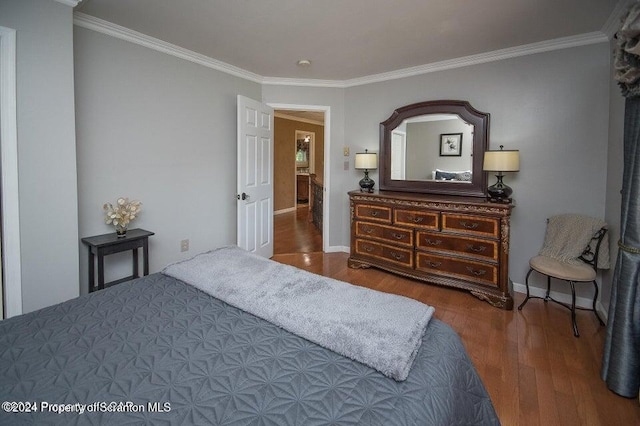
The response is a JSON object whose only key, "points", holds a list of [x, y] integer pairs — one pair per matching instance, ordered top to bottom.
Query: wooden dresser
{"points": [[302, 188], [453, 241]]}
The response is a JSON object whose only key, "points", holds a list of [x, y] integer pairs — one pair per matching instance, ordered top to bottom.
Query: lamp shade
{"points": [[366, 161], [501, 161]]}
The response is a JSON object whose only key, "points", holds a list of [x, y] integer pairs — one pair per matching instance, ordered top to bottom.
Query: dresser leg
{"points": [[356, 264], [502, 302]]}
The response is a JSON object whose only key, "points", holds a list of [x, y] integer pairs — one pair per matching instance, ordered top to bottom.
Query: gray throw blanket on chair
{"points": [[569, 234], [383, 331]]}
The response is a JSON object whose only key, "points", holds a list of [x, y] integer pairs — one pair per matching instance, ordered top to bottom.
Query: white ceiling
{"points": [[347, 39]]}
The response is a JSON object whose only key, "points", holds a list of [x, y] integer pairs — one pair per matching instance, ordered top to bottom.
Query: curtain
{"points": [[621, 360]]}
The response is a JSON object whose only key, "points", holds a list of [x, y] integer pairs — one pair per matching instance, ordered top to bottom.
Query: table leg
{"points": [[145, 255], [135, 262], [100, 271], [92, 277]]}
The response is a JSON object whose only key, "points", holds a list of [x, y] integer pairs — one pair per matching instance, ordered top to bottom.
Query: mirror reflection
{"points": [[433, 147]]}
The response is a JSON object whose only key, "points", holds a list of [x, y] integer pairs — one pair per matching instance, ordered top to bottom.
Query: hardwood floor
{"points": [[293, 233], [536, 372]]}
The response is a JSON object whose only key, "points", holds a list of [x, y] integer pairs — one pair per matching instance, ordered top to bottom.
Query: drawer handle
{"points": [[374, 213], [415, 219], [468, 225], [367, 230], [398, 236], [433, 242], [368, 249], [476, 249], [397, 256], [434, 264], [476, 272]]}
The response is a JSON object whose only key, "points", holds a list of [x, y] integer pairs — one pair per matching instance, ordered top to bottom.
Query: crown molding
{"points": [[72, 3], [613, 24], [105, 27], [496, 55], [281, 81], [285, 116]]}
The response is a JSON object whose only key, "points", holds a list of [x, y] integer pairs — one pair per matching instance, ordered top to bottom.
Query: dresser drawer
{"points": [[373, 212], [416, 219], [468, 224], [387, 233], [467, 246], [373, 249], [469, 270]]}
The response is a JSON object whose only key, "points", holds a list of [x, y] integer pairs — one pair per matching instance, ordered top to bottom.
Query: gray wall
{"points": [[552, 106], [161, 130], [46, 149]]}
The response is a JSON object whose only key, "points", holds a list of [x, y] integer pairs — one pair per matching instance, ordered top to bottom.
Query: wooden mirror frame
{"points": [[480, 121]]}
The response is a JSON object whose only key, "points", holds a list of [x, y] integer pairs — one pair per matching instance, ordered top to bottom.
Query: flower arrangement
{"points": [[121, 214]]}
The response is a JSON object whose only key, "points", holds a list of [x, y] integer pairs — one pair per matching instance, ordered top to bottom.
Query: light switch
{"points": [[346, 151]]}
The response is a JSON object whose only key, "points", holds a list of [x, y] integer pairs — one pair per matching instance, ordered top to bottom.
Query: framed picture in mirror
{"points": [[450, 144]]}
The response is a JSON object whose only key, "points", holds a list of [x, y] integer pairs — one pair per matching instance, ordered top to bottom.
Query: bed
{"points": [[159, 351]]}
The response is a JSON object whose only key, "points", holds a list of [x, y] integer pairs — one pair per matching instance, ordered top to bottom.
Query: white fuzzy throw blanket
{"points": [[383, 331]]}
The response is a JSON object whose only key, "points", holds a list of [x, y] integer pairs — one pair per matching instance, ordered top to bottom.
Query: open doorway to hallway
{"points": [[298, 180]]}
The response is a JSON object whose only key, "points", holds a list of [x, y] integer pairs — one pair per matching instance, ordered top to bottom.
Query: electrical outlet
{"points": [[346, 151], [184, 245]]}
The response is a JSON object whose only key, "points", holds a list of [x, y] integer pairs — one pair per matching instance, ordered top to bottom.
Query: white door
{"points": [[398, 155], [255, 177]]}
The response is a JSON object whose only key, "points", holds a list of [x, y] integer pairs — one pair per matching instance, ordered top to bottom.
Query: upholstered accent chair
{"points": [[575, 247]]}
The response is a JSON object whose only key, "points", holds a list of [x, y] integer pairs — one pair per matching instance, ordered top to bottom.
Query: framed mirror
{"points": [[434, 147]]}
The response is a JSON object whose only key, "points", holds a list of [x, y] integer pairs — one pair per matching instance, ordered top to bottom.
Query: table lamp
{"points": [[366, 161], [501, 161]]}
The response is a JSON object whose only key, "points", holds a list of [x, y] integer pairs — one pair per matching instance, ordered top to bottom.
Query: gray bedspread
{"points": [[158, 351]]}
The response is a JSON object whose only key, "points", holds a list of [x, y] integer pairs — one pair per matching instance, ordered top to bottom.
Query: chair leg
{"points": [[526, 283], [547, 295], [595, 298], [573, 309]]}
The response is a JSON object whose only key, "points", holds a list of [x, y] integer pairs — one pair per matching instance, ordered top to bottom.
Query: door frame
{"points": [[404, 152], [310, 161], [326, 178], [11, 264]]}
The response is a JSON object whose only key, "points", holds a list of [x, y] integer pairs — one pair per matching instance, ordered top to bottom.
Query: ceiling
{"points": [[347, 39]]}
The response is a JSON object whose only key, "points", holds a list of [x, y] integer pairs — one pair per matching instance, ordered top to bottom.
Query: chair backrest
{"points": [[591, 251]]}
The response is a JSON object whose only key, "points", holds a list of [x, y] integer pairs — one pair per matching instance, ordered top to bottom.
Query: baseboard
{"points": [[291, 209], [338, 249], [581, 302]]}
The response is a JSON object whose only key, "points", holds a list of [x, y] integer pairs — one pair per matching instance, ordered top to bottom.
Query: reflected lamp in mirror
{"points": [[366, 161], [501, 161]]}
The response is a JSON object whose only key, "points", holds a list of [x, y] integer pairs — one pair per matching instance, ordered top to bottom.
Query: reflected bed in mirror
{"points": [[429, 147]]}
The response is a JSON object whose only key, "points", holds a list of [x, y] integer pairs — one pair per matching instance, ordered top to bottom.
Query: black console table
{"points": [[103, 245]]}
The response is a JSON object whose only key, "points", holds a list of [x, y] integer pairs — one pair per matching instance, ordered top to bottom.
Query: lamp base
{"points": [[366, 184], [499, 192]]}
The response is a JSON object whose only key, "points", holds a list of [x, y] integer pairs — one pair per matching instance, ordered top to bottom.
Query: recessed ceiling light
{"points": [[304, 63]]}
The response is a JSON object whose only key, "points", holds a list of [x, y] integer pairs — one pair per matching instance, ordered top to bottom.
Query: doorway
{"points": [[299, 164], [304, 166]]}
